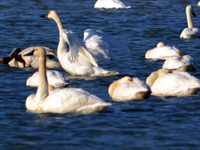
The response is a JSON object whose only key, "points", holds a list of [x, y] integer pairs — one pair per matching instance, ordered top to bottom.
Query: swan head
{"points": [[189, 9], [51, 15], [160, 44]]}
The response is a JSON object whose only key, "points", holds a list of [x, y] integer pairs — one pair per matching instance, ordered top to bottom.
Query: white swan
{"points": [[198, 3], [110, 4], [190, 31], [100, 43], [162, 51], [18, 59], [78, 60], [178, 62], [54, 78], [177, 83], [128, 88], [68, 100]]}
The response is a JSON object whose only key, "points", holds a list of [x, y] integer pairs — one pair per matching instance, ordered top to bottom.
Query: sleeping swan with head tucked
{"points": [[69, 100]]}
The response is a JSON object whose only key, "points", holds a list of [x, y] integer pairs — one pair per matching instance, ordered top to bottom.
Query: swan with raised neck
{"points": [[191, 31], [83, 63], [69, 100]]}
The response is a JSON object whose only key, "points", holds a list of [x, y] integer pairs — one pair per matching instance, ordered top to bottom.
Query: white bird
{"points": [[198, 3], [110, 4], [191, 31], [100, 44], [162, 51], [18, 59], [78, 60], [178, 62], [54, 78], [177, 83], [128, 88], [67, 100]]}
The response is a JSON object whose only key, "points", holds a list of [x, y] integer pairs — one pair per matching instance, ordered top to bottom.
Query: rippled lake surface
{"points": [[154, 123]]}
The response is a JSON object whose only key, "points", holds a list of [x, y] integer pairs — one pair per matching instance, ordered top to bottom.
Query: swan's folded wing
{"points": [[76, 46], [50, 53]]}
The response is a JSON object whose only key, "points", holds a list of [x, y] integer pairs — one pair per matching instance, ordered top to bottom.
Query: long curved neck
{"points": [[189, 18], [61, 45], [151, 79], [42, 91]]}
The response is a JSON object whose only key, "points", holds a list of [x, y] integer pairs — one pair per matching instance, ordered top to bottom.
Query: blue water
{"points": [[154, 123]]}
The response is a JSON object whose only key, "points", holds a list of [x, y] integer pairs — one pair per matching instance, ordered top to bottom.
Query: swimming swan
{"points": [[110, 4], [190, 31], [100, 43], [161, 51], [18, 59], [78, 60], [178, 62], [54, 78], [177, 83], [128, 88], [68, 100]]}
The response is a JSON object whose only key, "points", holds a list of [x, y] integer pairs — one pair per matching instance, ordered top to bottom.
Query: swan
{"points": [[198, 3], [110, 4], [190, 31], [100, 43], [161, 51], [18, 59], [78, 60], [178, 62], [54, 78], [177, 83], [128, 88], [67, 100]]}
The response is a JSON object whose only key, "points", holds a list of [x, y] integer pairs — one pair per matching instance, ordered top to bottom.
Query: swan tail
{"points": [[110, 73], [93, 108]]}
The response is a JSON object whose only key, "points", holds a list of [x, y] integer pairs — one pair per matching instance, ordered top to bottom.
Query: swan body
{"points": [[198, 3], [110, 4], [191, 31], [100, 43], [161, 51], [78, 60], [177, 62], [54, 78], [176, 83], [128, 88], [69, 100]]}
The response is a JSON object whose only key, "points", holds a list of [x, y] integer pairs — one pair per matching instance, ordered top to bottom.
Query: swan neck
{"points": [[189, 19], [61, 44], [151, 79], [42, 91]]}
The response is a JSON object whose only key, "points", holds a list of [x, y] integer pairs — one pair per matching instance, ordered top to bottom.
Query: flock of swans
{"points": [[53, 94]]}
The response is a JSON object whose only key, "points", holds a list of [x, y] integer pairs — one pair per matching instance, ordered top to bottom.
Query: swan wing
{"points": [[99, 42], [76, 47], [161, 52], [50, 53], [54, 78], [73, 100]]}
